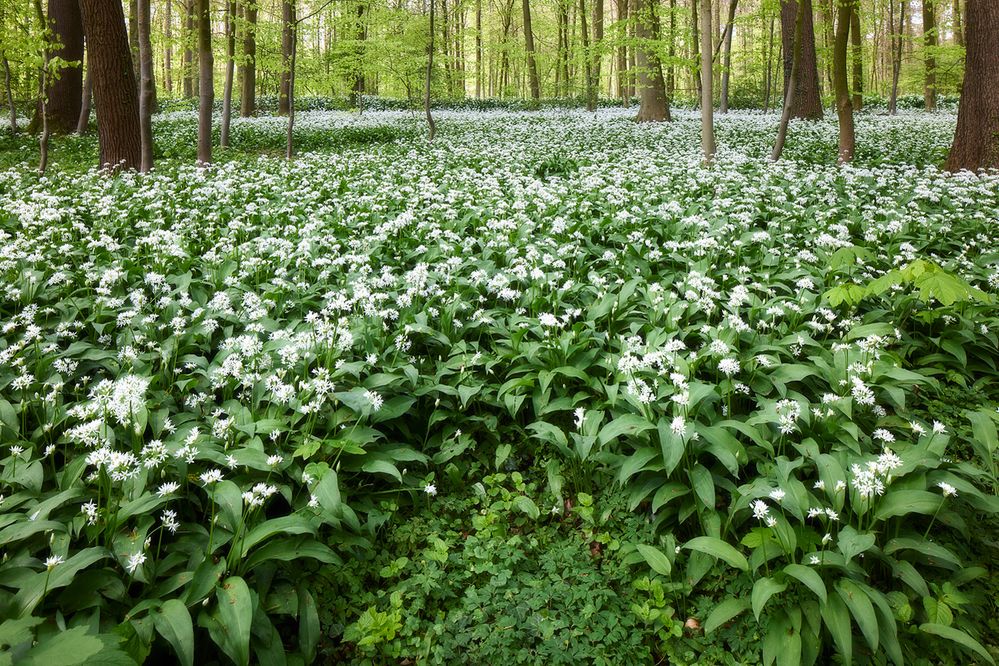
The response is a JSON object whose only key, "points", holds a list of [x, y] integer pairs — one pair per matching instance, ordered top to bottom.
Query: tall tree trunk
{"points": [[287, 19], [958, 24], [133, 35], [598, 38], [168, 45], [930, 45], [696, 46], [478, 49], [622, 53], [727, 55], [896, 56], [188, 59], [230, 59], [768, 59], [858, 61], [532, 67], [248, 68], [357, 76], [206, 82], [147, 86], [88, 88], [790, 88], [65, 90], [707, 94], [115, 95], [591, 102], [806, 103], [654, 105], [844, 107], [11, 110], [431, 125], [290, 138], [43, 139], [976, 141]]}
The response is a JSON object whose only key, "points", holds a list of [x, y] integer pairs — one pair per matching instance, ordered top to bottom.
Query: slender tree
{"points": [[958, 23], [287, 24], [133, 35], [168, 45], [597, 45], [622, 53], [896, 54], [727, 55], [857, 56], [930, 59], [187, 60], [230, 65], [532, 66], [248, 68], [206, 82], [147, 86], [88, 88], [357, 88], [791, 88], [64, 89], [591, 94], [115, 96], [707, 96], [806, 103], [654, 105], [844, 106], [11, 109], [431, 125], [43, 139], [976, 141]]}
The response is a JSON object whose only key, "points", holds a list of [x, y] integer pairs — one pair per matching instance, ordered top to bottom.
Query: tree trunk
{"points": [[287, 19], [958, 24], [133, 35], [598, 37], [930, 44], [168, 46], [696, 46], [478, 49], [622, 53], [727, 55], [230, 56], [896, 56], [188, 59], [858, 61], [532, 67], [248, 69], [206, 82], [357, 82], [146, 87], [88, 88], [790, 88], [65, 91], [115, 94], [707, 95], [806, 102], [591, 103], [654, 105], [844, 107], [12, 111], [431, 125], [290, 138], [43, 139], [976, 141]]}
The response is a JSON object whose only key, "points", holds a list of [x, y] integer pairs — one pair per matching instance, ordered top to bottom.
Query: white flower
{"points": [[728, 366], [374, 399], [580, 414], [678, 426], [939, 428], [274, 461], [211, 476], [430, 489], [948, 490], [777, 494], [760, 509], [814, 559], [53, 561], [135, 561]]}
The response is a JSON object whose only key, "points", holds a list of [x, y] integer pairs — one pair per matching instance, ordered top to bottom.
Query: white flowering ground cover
{"points": [[211, 378]]}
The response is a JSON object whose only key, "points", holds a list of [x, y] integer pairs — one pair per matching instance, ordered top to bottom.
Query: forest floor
{"points": [[548, 390]]}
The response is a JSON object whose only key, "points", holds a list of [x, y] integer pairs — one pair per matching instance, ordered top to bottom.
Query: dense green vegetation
{"points": [[548, 390]]}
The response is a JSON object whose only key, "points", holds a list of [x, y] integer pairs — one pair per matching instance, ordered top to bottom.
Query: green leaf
{"points": [[626, 424], [983, 427], [671, 445], [502, 453], [383, 467], [327, 491], [902, 502], [526, 505], [291, 524], [853, 543], [717, 548], [655, 559], [809, 578], [763, 589], [857, 601], [724, 612], [937, 612], [236, 615], [837, 619], [173, 622], [308, 624], [15, 632], [957, 636], [67, 648]]}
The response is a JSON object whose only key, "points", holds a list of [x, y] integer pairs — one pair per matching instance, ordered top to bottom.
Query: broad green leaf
{"points": [[626, 424], [502, 453], [327, 491], [902, 502], [526, 505], [291, 524], [852, 543], [717, 548], [655, 558], [809, 578], [763, 589], [860, 607], [724, 612], [236, 615], [837, 619], [173, 622], [308, 624], [957, 636], [66, 648]]}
